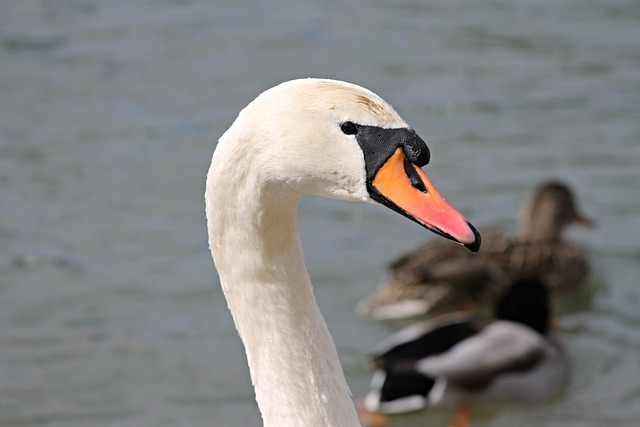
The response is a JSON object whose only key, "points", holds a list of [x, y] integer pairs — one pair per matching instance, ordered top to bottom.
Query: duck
{"points": [[306, 136], [437, 277], [457, 358]]}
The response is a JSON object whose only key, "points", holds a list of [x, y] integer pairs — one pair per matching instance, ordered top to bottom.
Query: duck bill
{"points": [[405, 188], [584, 221]]}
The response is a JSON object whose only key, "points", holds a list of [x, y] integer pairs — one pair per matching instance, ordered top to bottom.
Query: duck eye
{"points": [[349, 128]]}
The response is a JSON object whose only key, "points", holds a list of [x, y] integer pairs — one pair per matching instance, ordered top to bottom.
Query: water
{"points": [[110, 310]]}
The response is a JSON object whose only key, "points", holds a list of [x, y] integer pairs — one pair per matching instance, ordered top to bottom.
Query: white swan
{"points": [[309, 136]]}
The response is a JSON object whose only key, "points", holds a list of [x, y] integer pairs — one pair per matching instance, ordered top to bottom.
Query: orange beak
{"points": [[405, 188]]}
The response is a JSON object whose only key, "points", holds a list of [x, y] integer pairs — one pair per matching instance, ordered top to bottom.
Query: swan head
{"points": [[338, 140]]}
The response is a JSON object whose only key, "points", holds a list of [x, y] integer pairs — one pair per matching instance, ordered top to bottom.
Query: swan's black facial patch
{"points": [[349, 128], [378, 144]]}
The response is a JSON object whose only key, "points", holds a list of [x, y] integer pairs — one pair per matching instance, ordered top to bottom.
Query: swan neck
{"points": [[292, 359]]}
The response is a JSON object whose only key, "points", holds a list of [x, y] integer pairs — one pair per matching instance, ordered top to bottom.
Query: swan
{"points": [[306, 136], [438, 276], [457, 358]]}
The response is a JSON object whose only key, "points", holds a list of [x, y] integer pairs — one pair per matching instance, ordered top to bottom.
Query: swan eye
{"points": [[349, 128]]}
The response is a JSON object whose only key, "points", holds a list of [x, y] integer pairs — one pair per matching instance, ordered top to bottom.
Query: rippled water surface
{"points": [[110, 308]]}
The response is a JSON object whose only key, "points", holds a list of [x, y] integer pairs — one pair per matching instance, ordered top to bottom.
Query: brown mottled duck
{"points": [[439, 276]]}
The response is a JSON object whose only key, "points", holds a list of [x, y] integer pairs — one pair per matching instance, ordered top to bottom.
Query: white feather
{"points": [[285, 144]]}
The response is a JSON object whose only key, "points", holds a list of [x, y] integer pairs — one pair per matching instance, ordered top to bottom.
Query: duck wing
{"points": [[561, 265], [436, 276], [423, 339], [475, 362], [396, 386]]}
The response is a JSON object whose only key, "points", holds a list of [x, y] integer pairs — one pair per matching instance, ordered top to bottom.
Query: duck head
{"points": [[551, 208], [526, 301]]}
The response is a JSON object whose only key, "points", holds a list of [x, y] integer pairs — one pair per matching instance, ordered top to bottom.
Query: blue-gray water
{"points": [[110, 309]]}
